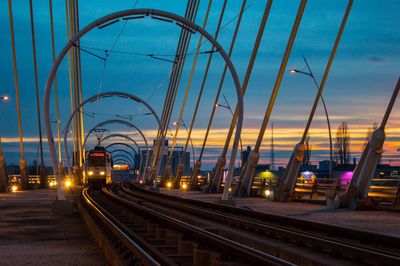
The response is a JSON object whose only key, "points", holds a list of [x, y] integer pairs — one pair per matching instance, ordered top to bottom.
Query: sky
{"points": [[357, 91]]}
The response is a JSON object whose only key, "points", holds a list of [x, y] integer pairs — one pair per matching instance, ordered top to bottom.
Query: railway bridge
{"points": [[179, 187]]}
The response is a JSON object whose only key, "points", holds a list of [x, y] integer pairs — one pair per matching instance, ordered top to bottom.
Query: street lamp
{"points": [[310, 74], [4, 98], [228, 106], [191, 142]]}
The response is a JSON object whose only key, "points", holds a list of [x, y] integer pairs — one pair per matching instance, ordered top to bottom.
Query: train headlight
{"points": [[90, 173], [102, 173], [68, 183], [169, 185], [184, 186], [14, 188], [267, 192]]}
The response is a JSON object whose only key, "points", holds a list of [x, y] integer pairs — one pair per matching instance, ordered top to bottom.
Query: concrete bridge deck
{"points": [[31, 235]]}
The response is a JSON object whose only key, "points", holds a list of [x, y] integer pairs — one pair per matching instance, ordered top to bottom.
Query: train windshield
{"points": [[96, 159]]}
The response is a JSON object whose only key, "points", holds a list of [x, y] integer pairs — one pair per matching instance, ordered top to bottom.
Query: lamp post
{"points": [[311, 75], [228, 106], [191, 142], [3, 172]]}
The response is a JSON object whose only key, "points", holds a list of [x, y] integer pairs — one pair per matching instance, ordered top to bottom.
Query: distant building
{"points": [[176, 155], [244, 155], [324, 165]]}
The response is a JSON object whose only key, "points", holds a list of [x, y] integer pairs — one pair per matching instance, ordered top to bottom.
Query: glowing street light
{"points": [[310, 74], [4, 98], [228, 106]]}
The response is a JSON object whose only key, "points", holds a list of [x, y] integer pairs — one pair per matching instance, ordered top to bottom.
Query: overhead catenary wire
{"points": [[53, 54], [43, 179]]}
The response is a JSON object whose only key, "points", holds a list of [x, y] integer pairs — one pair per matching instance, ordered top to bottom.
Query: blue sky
{"points": [[361, 81]]}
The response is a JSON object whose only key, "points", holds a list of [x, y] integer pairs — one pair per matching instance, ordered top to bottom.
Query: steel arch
{"points": [[113, 17]]}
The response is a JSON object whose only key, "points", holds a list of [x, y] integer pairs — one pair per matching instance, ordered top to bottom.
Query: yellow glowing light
{"points": [[293, 71], [5, 98], [90, 173], [102, 173], [141, 182], [68, 183], [169, 185], [184, 186], [14, 188], [230, 189], [267, 192]]}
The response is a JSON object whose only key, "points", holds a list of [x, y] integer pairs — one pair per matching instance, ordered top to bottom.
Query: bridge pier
{"points": [[196, 171], [247, 174], [288, 182], [215, 184], [357, 191]]}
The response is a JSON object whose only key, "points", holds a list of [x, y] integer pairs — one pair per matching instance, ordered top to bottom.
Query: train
{"points": [[98, 167]]}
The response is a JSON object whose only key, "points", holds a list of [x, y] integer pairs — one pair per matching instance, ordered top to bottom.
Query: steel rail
{"points": [[255, 220], [117, 229], [235, 249]]}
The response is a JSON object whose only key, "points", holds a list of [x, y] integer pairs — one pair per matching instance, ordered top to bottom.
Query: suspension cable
{"points": [[53, 52], [14, 56], [247, 75], [174, 81], [221, 81], [189, 83], [37, 91]]}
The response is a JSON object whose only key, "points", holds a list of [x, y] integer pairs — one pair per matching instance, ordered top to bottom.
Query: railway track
{"points": [[132, 234], [292, 239]]}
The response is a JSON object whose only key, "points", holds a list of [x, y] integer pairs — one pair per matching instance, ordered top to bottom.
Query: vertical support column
{"points": [[22, 162]]}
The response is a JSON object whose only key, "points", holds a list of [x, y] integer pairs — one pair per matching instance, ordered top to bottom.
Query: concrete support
{"points": [[219, 170], [196, 172], [24, 174], [166, 174], [247, 174], [77, 175], [178, 175], [43, 176], [288, 182], [358, 188], [357, 191]]}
